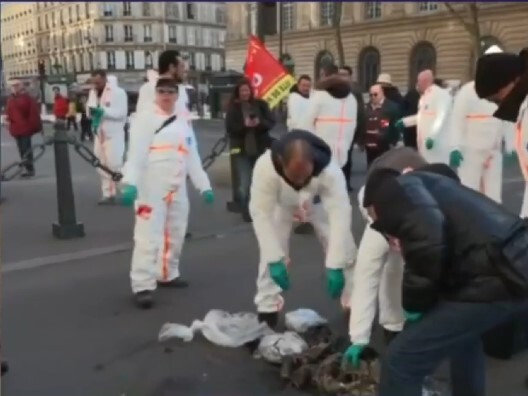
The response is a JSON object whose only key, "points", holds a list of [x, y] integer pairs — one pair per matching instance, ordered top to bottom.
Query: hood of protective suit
{"points": [[152, 75], [111, 80], [337, 86], [295, 90], [321, 152]]}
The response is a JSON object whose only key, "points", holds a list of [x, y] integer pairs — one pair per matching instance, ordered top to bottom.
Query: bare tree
{"points": [[468, 16], [336, 24]]}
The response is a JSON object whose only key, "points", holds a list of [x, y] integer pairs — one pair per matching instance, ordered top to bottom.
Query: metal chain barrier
{"points": [[13, 170]]}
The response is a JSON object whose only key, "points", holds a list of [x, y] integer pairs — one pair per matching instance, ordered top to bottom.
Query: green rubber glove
{"points": [[96, 114], [399, 124], [429, 143], [510, 157], [455, 158], [128, 195], [208, 197], [279, 274], [335, 282], [412, 316], [352, 355]]}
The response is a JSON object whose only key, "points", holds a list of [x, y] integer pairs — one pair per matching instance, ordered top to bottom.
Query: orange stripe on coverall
{"points": [[166, 240]]}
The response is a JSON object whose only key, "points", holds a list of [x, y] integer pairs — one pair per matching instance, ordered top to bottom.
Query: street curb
{"points": [[62, 258]]}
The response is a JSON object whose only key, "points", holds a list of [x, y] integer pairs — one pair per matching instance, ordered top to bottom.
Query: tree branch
{"points": [[460, 18]]}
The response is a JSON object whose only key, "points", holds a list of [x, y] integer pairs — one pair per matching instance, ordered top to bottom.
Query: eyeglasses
{"points": [[166, 91], [373, 95]]}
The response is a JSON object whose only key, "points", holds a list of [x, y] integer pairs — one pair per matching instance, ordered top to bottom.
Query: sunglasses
{"points": [[166, 91], [373, 95]]}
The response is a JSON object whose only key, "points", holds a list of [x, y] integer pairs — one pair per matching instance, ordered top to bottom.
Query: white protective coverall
{"points": [[147, 94], [297, 109], [333, 118], [432, 121], [479, 137], [109, 144], [521, 146], [158, 164], [272, 207], [378, 276]]}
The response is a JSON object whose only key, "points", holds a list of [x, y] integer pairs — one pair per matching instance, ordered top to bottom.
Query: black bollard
{"points": [[67, 226]]}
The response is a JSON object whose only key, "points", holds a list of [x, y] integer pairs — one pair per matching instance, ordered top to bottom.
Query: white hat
{"points": [[494, 49], [384, 78]]}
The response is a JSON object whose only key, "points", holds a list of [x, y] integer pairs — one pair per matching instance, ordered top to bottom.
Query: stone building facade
{"points": [[396, 38]]}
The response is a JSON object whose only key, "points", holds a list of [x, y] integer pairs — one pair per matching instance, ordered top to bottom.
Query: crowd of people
{"points": [[440, 258]]}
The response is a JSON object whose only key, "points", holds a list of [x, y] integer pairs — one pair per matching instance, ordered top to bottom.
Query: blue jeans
{"points": [[244, 165], [451, 331]]}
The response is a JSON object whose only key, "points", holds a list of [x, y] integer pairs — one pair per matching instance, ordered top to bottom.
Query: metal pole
{"points": [[281, 43], [67, 226]]}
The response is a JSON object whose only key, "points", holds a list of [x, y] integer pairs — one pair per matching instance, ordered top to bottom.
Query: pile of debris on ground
{"points": [[308, 355]]}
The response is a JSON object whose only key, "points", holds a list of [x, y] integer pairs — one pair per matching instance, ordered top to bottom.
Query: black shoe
{"points": [[27, 175], [246, 216], [304, 229], [177, 283], [144, 299], [270, 318], [389, 336], [5, 368]]}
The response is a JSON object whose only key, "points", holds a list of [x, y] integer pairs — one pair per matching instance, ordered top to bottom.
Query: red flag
{"points": [[269, 78]]}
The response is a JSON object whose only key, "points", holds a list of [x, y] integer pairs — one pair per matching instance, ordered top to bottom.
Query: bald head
{"points": [[425, 80], [297, 162]]}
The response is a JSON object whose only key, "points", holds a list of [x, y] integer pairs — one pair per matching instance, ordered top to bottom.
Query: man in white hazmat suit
{"points": [[171, 65], [503, 79], [298, 102], [108, 106], [332, 113], [432, 120], [476, 139], [298, 163], [157, 165]]}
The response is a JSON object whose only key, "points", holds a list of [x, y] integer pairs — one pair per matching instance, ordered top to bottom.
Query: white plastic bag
{"points": [[302, 319], [220, 328], [274, 347]]}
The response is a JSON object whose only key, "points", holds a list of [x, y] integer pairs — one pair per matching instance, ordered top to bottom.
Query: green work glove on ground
{"points": [[399, 124], [429, 143], [510, 157], [455, 158], [128, 195], [208, 197], [279, 274], [335, 282], [412, 316], [352, 355]]}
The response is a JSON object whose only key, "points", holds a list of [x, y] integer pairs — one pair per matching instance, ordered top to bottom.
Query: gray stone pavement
{"points": [[68, 324]]}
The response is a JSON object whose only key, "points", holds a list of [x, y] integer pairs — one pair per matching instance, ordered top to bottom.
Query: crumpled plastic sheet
{"points": [[302, 319], [219, 327], [274, 347]]}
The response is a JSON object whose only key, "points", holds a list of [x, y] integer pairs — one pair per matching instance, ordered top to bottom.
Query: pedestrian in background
{"points": [[346, 71], [298, 101], [60, 105], [409, 108], [23, 116], [71, 117], [86, 122], [248, 124]]}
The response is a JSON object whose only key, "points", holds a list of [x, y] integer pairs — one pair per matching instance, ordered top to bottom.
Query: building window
{"points": [[427, 6], [127, 8], [87, 9], [108, 9], [146, 9], [372, 9], [173, 10], [190, 10], [326, 10], [78, 13], [220, 14], [288, 16], [70, 17], [53, 19], [46, 21], [109, 33], [129, 33], [147, 33], [172, 34], [191, 39], [423, 57], [323, 58], [91, 60], [110, 60], [129, 60], [148, 60], [191, 60], [208, 62], [369, 67]]}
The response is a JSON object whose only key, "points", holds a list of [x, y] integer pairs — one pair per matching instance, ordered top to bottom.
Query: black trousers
{"points": [[71, 121], [86, 130], [409, 138], [24, 149], [374, 152], [347, 169]]}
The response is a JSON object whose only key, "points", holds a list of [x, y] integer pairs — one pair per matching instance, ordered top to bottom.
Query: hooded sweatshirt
{"points": [[297, 108], [332, 115]]}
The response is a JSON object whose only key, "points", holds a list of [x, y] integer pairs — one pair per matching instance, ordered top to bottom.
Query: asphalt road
{"points": [[68, 323]]}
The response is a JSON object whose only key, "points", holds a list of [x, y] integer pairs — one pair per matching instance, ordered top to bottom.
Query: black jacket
{"points": [[390, 112], [237, 130], [457, 244]]}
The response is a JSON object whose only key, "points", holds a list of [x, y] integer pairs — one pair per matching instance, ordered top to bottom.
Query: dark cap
{"points": [[495, 71], [375, 182]]}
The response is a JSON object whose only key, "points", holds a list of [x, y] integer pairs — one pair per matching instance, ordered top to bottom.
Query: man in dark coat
{"points": [[466, 271]]}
